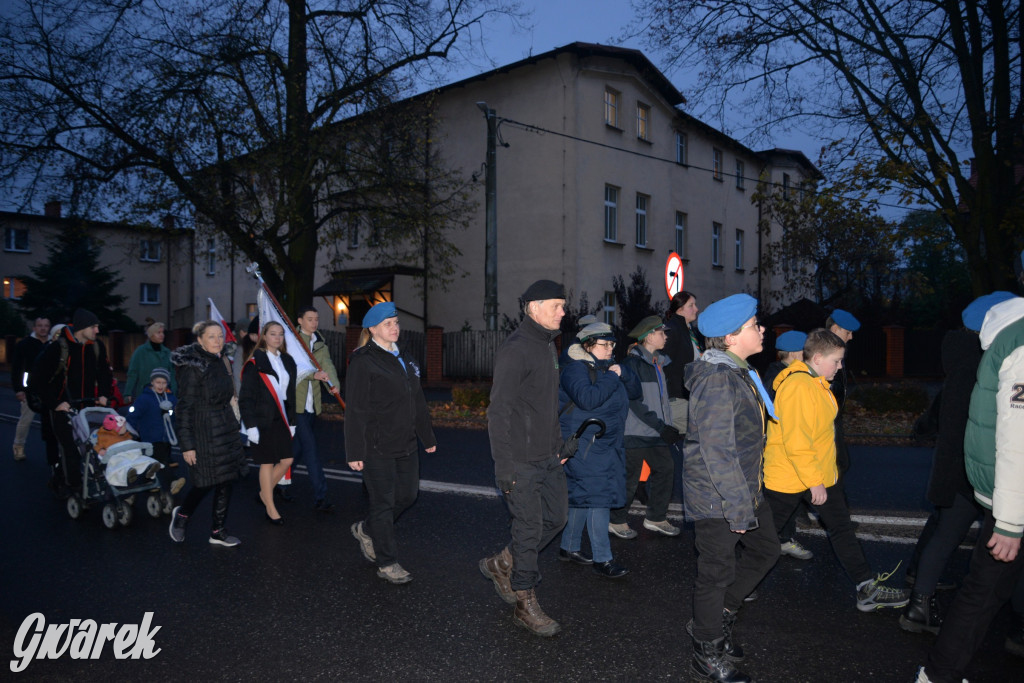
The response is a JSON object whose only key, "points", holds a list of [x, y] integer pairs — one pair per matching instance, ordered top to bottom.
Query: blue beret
{"points": [[379, 313], [727, 315], [974, 315], [845, 320], [790, 341]]}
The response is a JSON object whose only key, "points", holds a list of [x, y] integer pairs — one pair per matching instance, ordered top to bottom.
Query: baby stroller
{"points": [[95, 489]]}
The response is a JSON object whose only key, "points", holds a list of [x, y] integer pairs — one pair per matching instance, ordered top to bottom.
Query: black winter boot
{"points": [[921, 614], [733, 650], [710, 663]]}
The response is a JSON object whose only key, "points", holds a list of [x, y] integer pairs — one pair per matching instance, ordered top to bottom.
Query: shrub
{"points": [[471, 395], [891, 398]]}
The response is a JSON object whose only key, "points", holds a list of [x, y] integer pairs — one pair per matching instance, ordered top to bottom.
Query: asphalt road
{"points": [[299, 601]]}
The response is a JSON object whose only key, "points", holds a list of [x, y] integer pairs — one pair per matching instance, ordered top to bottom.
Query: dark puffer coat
{"points": [[204, 418], [596, 477]]}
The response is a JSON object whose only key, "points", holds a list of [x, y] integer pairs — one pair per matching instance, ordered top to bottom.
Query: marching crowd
{"points": [[574, 438]]}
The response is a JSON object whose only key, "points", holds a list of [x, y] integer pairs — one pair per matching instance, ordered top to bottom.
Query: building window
{"points": [[611, 107], [643, 121], [681, 148], [716, 163], [739, 174], [785, 186], [642, 201], [611, 213], [353, 233], [681, 234], [15, 239], [716, 243], [149, 250], [739, 250], [211, 257], [13, 288], [149, 293], [609, 308]]}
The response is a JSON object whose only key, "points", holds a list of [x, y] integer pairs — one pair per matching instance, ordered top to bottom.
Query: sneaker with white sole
{"points": [[177, 526], [663, 527], [621, 530], [218, 537], [365, 542], [793, 548], [393, 573], [874, 594], [922, 677]]}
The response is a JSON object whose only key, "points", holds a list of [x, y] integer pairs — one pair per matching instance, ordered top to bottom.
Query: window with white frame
{"points": [[612, 98], [643, 121], [681, 148], [716, 163], [739, 174], [785, 186], [642, 203], [611, 213], [353, 233], [681, 234], [15, 239], [716, 244], [149, 250], [739, 250], [211, 256], [149, 293], [608, 308]]}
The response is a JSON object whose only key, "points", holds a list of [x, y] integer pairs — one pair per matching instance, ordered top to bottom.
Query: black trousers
{"points": [[70, 461], [663, 469], [393, 485], [221, 500], [539, 506], [835, 516], [945, 529], [723, 580], [989, 584]]}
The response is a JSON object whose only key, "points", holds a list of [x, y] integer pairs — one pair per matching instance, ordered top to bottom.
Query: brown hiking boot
{"points": [[498, 568], [530, 616]]}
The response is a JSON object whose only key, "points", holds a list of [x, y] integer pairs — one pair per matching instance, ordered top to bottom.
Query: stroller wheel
{"points": [[75, 506], [154, 506], [124, 515], [109, 516]]}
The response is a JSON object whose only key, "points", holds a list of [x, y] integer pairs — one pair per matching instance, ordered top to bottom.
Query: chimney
{"points": [[52, 209]]}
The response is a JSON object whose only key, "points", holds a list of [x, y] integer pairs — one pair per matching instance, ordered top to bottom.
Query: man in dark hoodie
{"points": [[72, 371], [522, 421]]}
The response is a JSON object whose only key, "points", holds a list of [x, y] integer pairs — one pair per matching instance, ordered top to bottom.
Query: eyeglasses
{"points": [[755, 324], [606, 344]]}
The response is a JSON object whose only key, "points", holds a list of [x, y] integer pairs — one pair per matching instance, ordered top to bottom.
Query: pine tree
{"points": [[70, 278]]}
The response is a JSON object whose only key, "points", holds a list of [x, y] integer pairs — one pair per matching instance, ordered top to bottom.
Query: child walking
{"points": [[152, 417]]}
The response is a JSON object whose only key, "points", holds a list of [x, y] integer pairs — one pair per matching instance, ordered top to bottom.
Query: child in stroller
{"points": [[124, 457]]}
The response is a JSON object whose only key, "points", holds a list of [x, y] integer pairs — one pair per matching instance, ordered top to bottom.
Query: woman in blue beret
{"points": [[385, 413]]}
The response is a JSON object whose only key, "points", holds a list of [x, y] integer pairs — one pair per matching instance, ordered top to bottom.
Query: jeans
{"points": [[305, 453], [663, 469], [392, 484], [539, 505], [835, 517], [596, 521], [944, 531], [723, 580], [989, 584]]}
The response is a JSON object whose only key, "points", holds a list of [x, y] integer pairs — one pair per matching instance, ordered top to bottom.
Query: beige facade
{"points": [[155, 264]]}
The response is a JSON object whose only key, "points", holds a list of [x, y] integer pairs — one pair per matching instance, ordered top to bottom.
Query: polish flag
{"points": [[270, 313], [216, 317]]}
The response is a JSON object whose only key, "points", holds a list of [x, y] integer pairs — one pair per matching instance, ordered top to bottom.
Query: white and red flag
{"points": [[216, 317]]}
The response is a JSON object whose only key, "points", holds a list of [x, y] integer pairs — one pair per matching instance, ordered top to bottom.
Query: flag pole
{"points": [[254, 269]]}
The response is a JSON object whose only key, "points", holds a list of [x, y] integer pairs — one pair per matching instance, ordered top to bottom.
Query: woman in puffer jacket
{"points": [[592, 386], [208, 429]]}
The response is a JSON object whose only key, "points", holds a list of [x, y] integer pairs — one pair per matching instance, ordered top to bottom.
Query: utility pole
{"points": [[491, 208]]}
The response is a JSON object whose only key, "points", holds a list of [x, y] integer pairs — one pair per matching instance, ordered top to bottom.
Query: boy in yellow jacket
{"points": [[800, 462]]}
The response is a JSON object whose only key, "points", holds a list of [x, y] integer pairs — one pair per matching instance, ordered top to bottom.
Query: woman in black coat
{"points": [[683, 345], [267, 403], [385, 412], [207, 429]]}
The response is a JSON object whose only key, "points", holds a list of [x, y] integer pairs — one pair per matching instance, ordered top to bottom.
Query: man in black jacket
{"points": [[25, 352], [73, 369], [522, 421]]}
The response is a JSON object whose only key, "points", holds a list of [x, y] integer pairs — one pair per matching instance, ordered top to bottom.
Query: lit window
{"points": [[611, 107], [643, 121], [680, 148], [716, 163], [739, 174], [642, 201], [611, 213], [681, 234], [15, 239], [716, 239], [149, 250], [739, 250], [13, 288], [149, 293], [609, 307]]}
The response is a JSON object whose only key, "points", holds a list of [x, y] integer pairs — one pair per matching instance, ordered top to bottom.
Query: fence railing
{"points": [[470, 355]]}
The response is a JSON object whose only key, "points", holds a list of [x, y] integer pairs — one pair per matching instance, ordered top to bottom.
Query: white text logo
{"points": [[81, 639]]}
